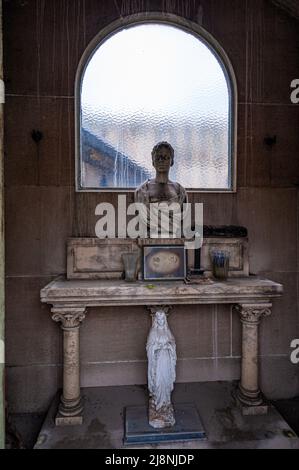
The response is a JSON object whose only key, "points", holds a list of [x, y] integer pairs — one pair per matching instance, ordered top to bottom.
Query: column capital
{"points": [[253, 313], [69, 317]]}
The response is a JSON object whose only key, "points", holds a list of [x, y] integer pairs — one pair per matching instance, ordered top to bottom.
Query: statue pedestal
{"points": [[188, 426]]}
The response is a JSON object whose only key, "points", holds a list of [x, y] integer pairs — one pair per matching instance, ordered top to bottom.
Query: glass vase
{"points": [[130, 261], [220, 264]]}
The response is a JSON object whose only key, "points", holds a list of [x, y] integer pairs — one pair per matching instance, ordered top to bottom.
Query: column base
{"points": [[250, 403], [70, 413], [68, 421]]}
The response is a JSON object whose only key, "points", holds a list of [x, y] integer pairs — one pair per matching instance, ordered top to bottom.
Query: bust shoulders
{"points": [[149, 192]]}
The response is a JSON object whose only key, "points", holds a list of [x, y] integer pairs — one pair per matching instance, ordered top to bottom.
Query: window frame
{"points": [[189, 27]]}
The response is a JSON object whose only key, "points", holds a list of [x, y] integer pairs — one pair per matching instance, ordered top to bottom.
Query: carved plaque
{"points": [[92, 258]]}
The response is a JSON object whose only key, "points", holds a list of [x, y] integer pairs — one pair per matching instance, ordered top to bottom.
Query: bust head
{"points": [[163, 157]]}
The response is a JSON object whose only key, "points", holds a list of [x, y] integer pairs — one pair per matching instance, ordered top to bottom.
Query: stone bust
{"points": [[161, 189]]}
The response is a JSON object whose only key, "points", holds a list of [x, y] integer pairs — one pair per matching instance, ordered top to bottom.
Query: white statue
{"points": [[161, 353]]}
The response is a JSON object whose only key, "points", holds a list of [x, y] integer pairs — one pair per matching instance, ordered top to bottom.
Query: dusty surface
{"points": [[103, 426]]}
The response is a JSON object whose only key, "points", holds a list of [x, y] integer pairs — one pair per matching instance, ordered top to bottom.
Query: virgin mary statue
{"points": [[161, 353]]}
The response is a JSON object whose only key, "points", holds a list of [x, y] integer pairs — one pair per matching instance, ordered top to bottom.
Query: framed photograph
{"points": [[164, 262]]}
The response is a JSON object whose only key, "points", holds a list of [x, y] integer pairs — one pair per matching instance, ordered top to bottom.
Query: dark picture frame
{"points": [[164, 262]]}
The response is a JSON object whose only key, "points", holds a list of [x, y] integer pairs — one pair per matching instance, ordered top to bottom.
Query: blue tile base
{"points": [[188, 426]]}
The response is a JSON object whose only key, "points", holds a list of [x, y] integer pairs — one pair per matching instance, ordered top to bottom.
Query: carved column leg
{"points": [[248, 394], [70, 410]]}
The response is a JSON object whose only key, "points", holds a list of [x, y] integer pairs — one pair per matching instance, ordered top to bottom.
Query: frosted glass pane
{"points": [[150, 83]]}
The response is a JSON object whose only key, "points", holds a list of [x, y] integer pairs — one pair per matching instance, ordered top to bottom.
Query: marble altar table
{"points": [[251, 297]]}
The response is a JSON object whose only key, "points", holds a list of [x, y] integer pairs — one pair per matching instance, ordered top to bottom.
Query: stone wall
{"points": [[291, 6], [43, 42]]}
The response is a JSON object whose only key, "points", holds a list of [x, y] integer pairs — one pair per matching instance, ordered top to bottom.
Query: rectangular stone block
{"points": [[270, 215], [93, 258], [31, 336], [69, 421]]}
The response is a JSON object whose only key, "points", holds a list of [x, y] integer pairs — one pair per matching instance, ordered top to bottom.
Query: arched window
{"points": [[149, 81]]}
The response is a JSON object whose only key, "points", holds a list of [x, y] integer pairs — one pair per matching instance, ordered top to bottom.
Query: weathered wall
{"points": [[291, 6], [44, 41], [2, 271]]}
